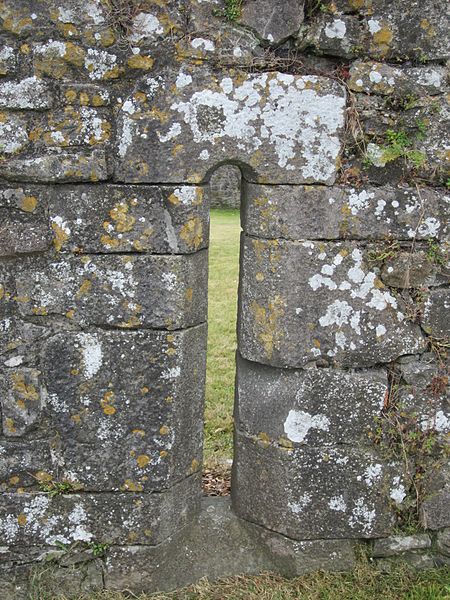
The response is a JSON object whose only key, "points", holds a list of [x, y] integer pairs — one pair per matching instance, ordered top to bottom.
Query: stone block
{"points": [[273, 24], [334, 35], [8, 61], [385, 80], [29, 93], [84, 94], [281, 128], [13, 134], [58, 166], [225, 187], [368, 213], [108, 219], [22, 233], [409, 270], [128, 291], [303, 302], [435, 315], [21, 399], [320, 407], [125, 408], [25, 463], [314, 492], [33, 519], [443, 541], [217, 545], [392, 546]]}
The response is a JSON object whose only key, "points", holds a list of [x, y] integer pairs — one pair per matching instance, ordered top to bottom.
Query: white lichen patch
{"points": [[146, 26], [336, 29], [99, 63], [27, 93], [293, 121], [13, 135], [92, 354], [298, 424], [397, 491], [300, 503], [337, 503], [362, 517]]}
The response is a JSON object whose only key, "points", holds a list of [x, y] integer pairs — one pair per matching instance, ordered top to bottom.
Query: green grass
{"points": [[222, 311], [364, 583]]}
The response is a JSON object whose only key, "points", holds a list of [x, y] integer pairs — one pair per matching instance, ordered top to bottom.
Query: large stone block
{"points": [[283, 128], [58, 167], [373, 213], [156, 219], [117, 291], [302, 302], [435, 315], [321, 407], [125, 409], [314, 492], [32, 519], [220, 545]]}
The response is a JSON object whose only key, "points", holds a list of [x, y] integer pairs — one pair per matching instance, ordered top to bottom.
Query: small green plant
{"points": [[313, 7], [232, 10], [400, 144], [384, 252], [435, 253], [403, 435], [57, 488], [98, 549]]}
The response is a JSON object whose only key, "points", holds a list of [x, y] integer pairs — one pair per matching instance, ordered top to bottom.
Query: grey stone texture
{"points": [[281, 128], [225, 187], [338, 212], [303, 301], [304, 492], [220, 544], [395, 545]]}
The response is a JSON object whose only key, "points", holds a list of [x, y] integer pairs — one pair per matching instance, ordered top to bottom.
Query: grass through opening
{"points": [[222, 313]]}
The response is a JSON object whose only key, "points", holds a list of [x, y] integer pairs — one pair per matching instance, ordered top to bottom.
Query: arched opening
{"points": [[225, 188]]}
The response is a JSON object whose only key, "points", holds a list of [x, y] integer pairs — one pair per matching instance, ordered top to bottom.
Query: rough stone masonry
{"points": [[114, 115]]}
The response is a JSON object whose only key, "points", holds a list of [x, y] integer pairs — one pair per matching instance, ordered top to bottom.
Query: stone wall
{"points": [[114, 116]]}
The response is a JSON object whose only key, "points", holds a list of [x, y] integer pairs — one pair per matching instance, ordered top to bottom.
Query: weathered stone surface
{"points": [[273, 23], [381, 29], [8, 60], [382, 79], [27, 93], [84, 94], [282, 128], [13, 134], [58, 166], [225, 187], [370, 213], [157, 219], [22, 233], [409, 270], [128, 291], [302, 302], [435, 315], [426, 394], [20, 399], [320, 407], [126, 408], [24, 463], [314, 492], [434, 511], [38, 519], [443, 542], [220, 544], [397, 544], [418, 561]]}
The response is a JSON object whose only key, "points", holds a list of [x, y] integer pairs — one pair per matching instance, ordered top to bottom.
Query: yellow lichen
{"points": [[139, 61], [29, 203], [192, 233], [60, 238], [84, 289], [266, 323], [26, 390], [164, 430], [142, 460], [22, 520]]}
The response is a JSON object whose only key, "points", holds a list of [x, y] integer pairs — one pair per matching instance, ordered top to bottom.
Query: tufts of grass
{"points": [[222, 311], [364, 583]]}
